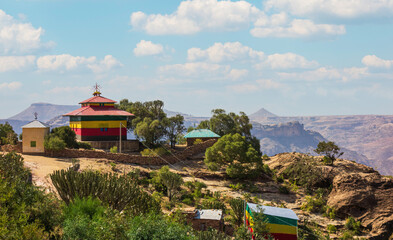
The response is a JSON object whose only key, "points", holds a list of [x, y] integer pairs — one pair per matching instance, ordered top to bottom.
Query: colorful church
{"points": [[99, 120]]}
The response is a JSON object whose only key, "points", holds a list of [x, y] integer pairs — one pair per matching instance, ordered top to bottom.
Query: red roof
{"points": [[98, 99], [98, 111]]}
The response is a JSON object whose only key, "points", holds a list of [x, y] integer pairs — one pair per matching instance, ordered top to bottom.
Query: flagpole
{"points": [[245, 205]]}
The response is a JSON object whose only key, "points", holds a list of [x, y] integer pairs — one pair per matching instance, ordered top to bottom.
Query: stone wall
{"points": [[127, 145], [9, 148], [135, 159]]}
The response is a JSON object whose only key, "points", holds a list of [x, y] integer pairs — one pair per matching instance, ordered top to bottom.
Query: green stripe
{"points": [[96, 118], [281, 220]]}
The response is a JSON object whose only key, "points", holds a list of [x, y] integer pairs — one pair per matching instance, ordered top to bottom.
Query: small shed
{"points": [[202, 134], [33, 136], [203, 219], [282, 222]]}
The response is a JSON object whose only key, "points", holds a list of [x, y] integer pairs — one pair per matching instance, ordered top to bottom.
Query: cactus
{"points": [[119, 192]]}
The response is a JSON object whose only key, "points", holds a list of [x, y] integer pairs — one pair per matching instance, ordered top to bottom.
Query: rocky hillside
{"points": [[368, 135], [357, 191]]}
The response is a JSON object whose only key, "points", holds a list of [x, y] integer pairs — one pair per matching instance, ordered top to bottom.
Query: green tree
{"points": [[224, 123], [174, 128], [150, 131], [7, 134], [66, 134], [54, 143], [330, 150], [235, 154], [172, 181], [237, 210]]}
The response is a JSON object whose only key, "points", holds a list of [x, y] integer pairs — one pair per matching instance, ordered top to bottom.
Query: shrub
{"points": [[66, 134], [198, 141], [54, 143], [84, 145], [113, 149], [155, 152], [314, 203], [237, 210], [353, 225], [331, 228], [211, 234], [347, 235]]}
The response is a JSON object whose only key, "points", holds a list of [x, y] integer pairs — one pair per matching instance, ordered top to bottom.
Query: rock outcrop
{"points": [[357, 190]]}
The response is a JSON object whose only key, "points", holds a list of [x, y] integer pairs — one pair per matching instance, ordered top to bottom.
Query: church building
{"points": [[99, 120]]}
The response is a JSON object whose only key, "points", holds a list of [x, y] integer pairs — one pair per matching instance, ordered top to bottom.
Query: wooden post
{"points": [[120, 139]]}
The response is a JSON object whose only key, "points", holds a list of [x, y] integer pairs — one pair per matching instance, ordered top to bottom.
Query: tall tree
{"points": [[174, 128], [7, 134], [330, 150]]}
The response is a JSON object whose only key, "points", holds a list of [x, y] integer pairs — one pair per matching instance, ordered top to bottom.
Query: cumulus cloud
{"points": [[333, 9], [197, 15], [281, 26], [17, 37], [147, 48], [222, 52], [287, 61], [65, 62], [376, 62], [16, 63], [327, 73], [236, 74], [10, 86]]}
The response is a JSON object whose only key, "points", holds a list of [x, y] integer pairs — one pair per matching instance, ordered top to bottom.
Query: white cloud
{"points": [[334, 9], [196, 15], [297, 28], [17, 37], [147, 48], [221, 52], [287, 61], [65, 62], [376, 62], [16, 63], [108, 63], [196, 69], [327, 73], [236, 74], [270, 84], [10, 86]]}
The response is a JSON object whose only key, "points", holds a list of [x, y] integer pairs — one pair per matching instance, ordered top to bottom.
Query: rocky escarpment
{"points": [[357, 190]]}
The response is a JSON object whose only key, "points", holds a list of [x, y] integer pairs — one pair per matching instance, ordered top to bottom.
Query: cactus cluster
{"points": [[119, 192]]}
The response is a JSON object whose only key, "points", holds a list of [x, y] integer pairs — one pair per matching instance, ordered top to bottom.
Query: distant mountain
{"points": [[45, 111], [170, 113], [261, 113], [16, 124], [292, 137]]}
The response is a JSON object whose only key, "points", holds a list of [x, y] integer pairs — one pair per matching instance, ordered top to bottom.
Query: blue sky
{"points": [[292, 57]]}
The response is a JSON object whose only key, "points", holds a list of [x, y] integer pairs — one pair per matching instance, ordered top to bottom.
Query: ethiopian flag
{"points": [[282, 222]]}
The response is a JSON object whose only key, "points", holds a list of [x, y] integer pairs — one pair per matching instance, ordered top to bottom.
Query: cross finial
{"points": [[97, 89], [35, 115]]}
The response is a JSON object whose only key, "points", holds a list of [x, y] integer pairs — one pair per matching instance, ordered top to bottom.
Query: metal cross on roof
{"points": [[97, 89], [35, 115]]}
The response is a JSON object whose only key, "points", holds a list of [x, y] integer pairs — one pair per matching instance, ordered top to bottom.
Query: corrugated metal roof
{"points": [[98, 99], [98, 111], [35, 124], [201, 133], [274, 211], [211, 214]]}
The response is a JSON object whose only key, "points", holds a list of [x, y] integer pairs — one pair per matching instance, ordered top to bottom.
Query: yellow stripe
{"points": [[102, 104], [98, 124], [278, 228]]}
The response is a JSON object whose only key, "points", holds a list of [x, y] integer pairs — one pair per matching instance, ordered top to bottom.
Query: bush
{"points": [[66, 134], [198, 141], [54, 143], [84, 145], [113, 149], [155, 152], [315, 204], [353, 225], [157, 227], [331, 228], [211, 234]]}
